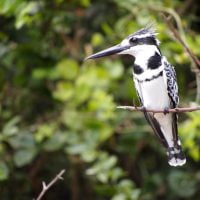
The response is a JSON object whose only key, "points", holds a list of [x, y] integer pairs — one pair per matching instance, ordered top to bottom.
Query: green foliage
{"points": [[58, 111], [191, 136], [3, 171], [184, 184]]}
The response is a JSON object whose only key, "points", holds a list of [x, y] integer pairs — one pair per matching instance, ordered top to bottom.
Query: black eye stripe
{"points": [[133, 41], [140, 41]]}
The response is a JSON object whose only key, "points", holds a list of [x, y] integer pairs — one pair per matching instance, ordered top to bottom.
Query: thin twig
{"points": [[171, 14], [182, 42], [194, 59], [171, 110], [46, 187]]}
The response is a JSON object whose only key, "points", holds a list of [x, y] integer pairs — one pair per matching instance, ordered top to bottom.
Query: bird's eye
{"points": [[133, 41]]}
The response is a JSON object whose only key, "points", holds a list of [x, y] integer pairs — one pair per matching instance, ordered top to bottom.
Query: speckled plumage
{"points": [[172, 86]]}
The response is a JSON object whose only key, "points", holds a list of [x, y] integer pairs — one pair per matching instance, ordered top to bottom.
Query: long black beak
{"points": [[108, 52]]}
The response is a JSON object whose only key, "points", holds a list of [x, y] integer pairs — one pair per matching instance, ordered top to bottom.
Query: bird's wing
{"points": [[169, 75], [170, 81], [138, 90]]}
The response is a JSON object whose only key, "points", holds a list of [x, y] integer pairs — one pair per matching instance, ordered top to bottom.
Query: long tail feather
{"points": [[176, 156]]}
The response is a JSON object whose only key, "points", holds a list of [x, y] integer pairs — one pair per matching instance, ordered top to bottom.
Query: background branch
{"points": [[176, 34], [194, 59], [171, 110], [46, 187]]}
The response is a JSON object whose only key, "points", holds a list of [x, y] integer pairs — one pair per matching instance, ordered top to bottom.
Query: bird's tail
{"points": [[176, 156]]}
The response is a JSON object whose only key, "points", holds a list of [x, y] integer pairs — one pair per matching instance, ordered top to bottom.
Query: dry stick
{"points": [[178, 37], [171, 110], [46, 187]]}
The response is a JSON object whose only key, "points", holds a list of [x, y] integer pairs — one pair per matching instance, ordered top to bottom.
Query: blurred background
{"points": [[58, 112]]}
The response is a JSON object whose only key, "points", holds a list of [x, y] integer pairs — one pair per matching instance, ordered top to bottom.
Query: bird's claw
{"points": [[144, 109], [166, 111]]}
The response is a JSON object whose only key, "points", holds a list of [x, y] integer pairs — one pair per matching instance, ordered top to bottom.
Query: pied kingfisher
{"points": [[155, 83]]}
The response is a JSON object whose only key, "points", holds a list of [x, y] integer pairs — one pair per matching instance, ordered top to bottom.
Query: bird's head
{"points": [[138, 42]]}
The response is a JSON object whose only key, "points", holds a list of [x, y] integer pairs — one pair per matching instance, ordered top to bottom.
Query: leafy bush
{"points": [[58, 111]]}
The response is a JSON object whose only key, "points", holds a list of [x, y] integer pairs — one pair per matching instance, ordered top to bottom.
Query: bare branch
{"points": [[193, 57], [171, 110], [46, 187]]}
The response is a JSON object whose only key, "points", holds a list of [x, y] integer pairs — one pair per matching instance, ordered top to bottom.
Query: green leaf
{"points": [[9, 6], [26, 12], [97, 39], [67, 68], [114, 68], [64, 92], [85, 92], [10, 127], [44, 131], [23, 140], [55, 142], [77, 148], [24, 156], [4, 171], [183, 184], [120, 196]]}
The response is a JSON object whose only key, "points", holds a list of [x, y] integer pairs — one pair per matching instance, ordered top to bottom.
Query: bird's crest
{"points": [[149, 30], [146, 32]]}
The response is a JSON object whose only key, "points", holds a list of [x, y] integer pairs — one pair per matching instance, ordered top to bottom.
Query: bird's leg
{"points": [[166, 110]]}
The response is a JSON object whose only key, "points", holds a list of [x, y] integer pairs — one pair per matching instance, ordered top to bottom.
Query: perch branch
{"points": [[171, 110], [46, 187]]}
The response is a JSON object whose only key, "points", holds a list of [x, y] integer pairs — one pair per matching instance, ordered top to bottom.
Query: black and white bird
{"points": [[156, 86]]}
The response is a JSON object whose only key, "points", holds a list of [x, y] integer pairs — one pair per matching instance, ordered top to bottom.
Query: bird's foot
{"points": [[143, 108], [166, 110]]}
